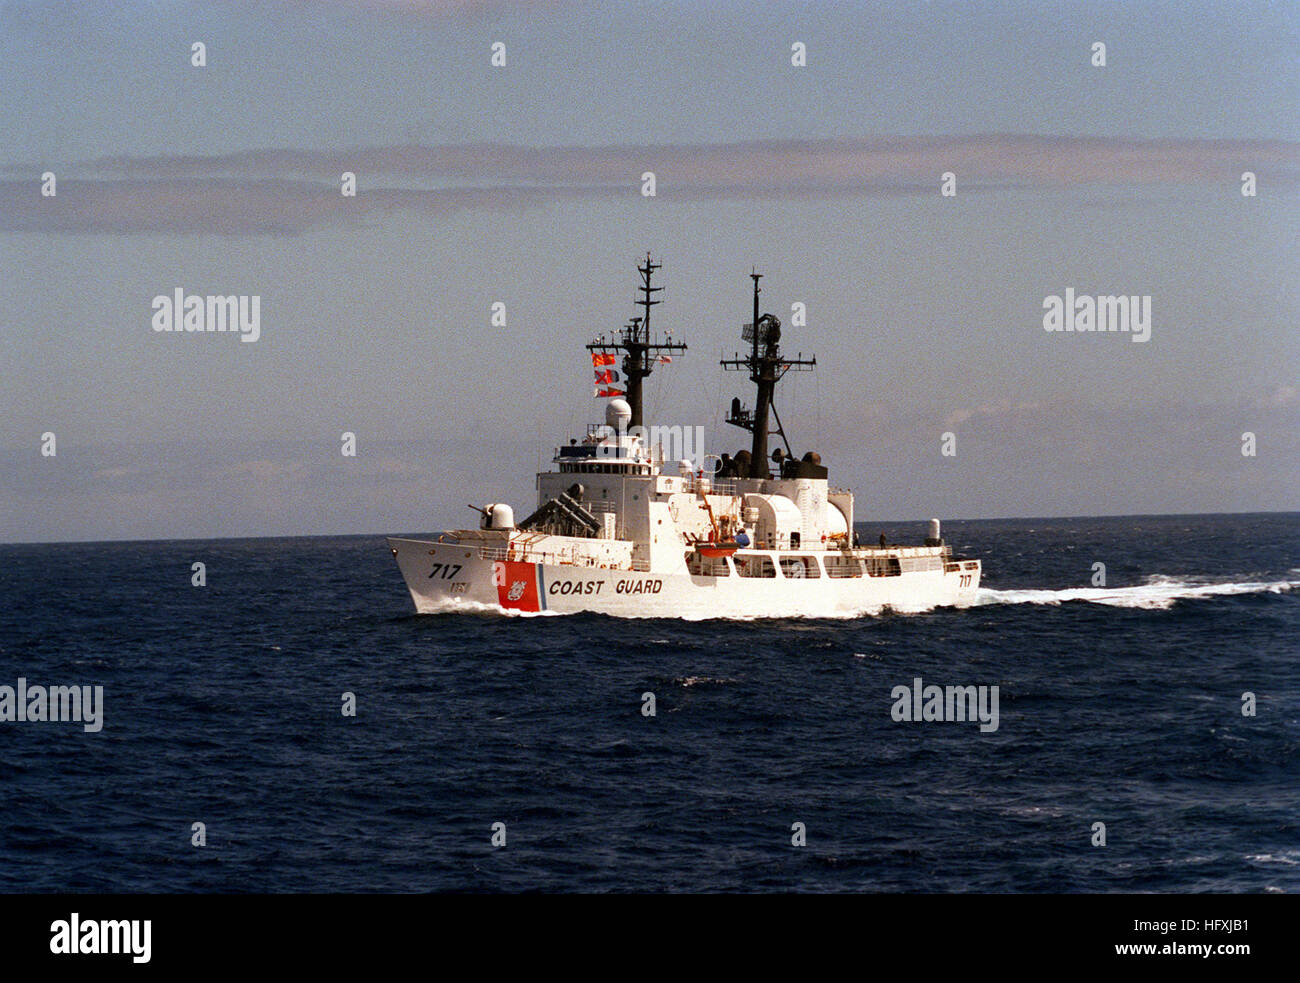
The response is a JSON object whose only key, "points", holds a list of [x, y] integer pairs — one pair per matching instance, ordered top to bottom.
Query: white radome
{"points": [[617, 414]]}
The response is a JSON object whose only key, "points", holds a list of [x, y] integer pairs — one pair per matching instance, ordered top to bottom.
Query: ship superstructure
{"points": [[625, 525]]}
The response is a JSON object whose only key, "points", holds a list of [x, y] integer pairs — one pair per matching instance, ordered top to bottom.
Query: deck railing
{"points": [[694, 483], [568, 558]]}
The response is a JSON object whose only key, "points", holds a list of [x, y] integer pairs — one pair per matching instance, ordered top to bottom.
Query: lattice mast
{"points": [[639, 352], [766, 367]]}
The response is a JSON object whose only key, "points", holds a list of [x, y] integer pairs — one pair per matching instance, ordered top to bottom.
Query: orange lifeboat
{"points": [[712, 549]]}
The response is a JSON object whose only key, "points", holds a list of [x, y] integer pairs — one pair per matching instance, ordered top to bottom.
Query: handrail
{"points": [[695, 485], [570, 559]]}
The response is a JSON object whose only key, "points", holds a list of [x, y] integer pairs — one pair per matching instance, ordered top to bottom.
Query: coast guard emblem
{"points": [[517, 585]]}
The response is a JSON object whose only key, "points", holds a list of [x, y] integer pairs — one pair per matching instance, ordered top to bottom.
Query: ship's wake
{"points": [[1158, 593], [461, 606]]}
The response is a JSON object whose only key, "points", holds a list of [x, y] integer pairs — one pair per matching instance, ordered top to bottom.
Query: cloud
{"points": [[438, 8], [282, 191], [130, 206], [1282, 396], [1004, 408], [222, 487]]}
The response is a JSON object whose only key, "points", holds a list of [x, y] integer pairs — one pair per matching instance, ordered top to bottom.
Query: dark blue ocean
{"points": [[1119, 704]]}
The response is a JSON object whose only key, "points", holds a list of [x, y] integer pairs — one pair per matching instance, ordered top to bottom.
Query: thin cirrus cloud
{"points": [[286, 192]]}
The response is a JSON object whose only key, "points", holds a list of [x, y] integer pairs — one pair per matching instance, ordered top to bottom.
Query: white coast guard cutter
{"points": [[623, 530]]}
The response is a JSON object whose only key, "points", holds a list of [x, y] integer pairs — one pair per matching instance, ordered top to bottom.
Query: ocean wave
{"points": [[1158, 593], [689, 681], [1289, 858]]}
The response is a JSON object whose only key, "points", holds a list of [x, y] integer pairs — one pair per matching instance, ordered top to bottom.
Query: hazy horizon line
{"points": [[872, 522]]}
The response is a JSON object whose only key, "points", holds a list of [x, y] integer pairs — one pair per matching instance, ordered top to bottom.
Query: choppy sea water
{"points": [[1119, 704]]}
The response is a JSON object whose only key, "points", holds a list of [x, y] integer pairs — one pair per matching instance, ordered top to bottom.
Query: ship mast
{"points": [[639, 352], [766, 367]]}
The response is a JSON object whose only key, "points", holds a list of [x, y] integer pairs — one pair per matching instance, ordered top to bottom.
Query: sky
{"points": [[521, 185]]}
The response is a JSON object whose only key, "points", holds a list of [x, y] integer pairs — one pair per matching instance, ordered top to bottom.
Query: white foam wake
{"points": [[1158, 593], [457, 605]]}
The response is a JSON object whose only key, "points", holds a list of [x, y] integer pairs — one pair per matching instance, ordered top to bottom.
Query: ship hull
{"points": [[445, 577]]}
